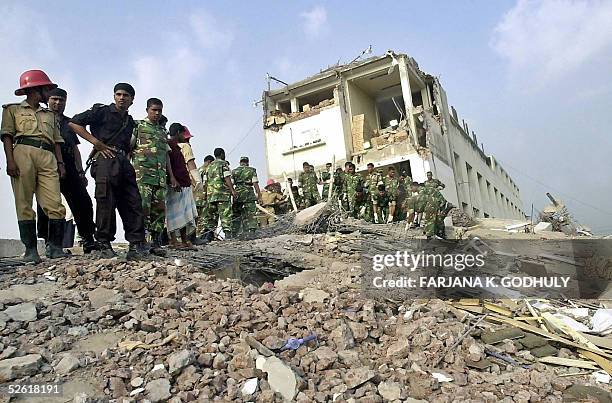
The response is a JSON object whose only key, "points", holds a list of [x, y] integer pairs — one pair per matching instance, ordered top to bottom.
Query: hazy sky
{"points": [[532, 78]]}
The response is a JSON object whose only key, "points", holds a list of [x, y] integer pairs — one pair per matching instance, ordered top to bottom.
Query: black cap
{"points": [[58, 92]]}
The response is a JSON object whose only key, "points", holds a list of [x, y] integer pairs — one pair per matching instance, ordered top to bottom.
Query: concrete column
{"points": [[407, 95], [294, 105]]}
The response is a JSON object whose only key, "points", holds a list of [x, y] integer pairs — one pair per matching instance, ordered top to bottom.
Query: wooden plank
{"points": [[469, 301], [468, 308], [498, 309], [533, 313], [543, 333], [576, 336], [603, 342], [567, 362], [602, 362]]}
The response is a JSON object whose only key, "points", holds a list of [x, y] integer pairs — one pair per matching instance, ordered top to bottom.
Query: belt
{"points": [[26, 141]]}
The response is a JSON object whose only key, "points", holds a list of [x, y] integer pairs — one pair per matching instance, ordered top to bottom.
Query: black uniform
{"points": [[115, 177], [72, 188]]}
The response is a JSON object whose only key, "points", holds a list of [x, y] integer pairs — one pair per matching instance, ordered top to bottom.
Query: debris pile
{"points": [[278, 119], [461, 219], [560, 219], [167, 330]]}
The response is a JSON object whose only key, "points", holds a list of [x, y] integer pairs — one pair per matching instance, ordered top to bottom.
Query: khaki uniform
{"points": [[37, 166]]}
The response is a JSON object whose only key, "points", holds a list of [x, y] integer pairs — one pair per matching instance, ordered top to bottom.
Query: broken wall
{"points": [[361, 103]]}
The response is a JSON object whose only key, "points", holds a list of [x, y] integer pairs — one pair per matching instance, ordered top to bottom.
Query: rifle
{"points": [[93, 155]]}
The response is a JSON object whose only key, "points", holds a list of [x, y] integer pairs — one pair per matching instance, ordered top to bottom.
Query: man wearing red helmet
{"points": [[31, 138]]}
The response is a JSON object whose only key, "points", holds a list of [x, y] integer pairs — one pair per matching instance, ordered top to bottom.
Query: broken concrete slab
{"points": [[309, 215], [542, 226], [312, 295], [102, 296], [25, 312], [492, 337], [179, 360], [67, 364], [14, 368], [358, 376], [281, 377], [158, 390], [390, 390], [583, 392]]}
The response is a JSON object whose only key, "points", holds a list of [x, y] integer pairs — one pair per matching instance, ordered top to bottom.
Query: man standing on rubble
{"points": [[31, 138], [151, 162], [373, 179], [325, 180], [352, 181], [308, 182], [435, 183], [74, 184], [391, 187], [116, 188], [219, 193], [202, 203], [382, 204], [413, 206], [433, 209], [244, 210]]}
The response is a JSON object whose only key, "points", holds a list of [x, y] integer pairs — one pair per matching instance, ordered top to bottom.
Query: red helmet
{"points": [[33, 78], [187, 134], [270, 182]]}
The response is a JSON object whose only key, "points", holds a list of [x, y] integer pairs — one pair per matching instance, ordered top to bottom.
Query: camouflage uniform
{"points": [[149, 160], [325, 176], [338, 180], [434, 183], [371, 184], [350, 185], [310, 193], [219, 196], [382, 201], [433, 202], [412, 205], [360, 206], [202, 207], [244, 209]]}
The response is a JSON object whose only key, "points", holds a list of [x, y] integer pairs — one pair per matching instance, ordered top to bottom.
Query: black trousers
{"points": [[116, 189], [79, 202]]}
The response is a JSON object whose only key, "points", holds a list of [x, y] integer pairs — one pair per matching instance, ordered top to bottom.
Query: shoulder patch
{"points": [[11, 104]]}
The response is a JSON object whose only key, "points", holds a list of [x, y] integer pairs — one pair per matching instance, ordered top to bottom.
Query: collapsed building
{"points": [[386, 111]]}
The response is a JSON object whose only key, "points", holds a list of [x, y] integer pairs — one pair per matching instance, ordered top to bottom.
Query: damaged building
{"points": [[386, 111]]}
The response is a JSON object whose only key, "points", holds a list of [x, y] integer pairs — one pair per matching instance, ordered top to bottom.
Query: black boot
{"points": [[27, 232], [208, 236], [56, 239], [196, 241], [89, 245], [155, 247], [105, 250], [137, 251]]}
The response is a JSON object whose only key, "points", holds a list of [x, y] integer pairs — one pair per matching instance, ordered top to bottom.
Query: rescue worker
{"points": [[31, 138], [151, 164], [373, 179], [325, 180], [307, 181], [352, 181], [435, 183], [74, 185], [391, 187], [116, 188], [337, 188], [219, 193], [272, 201], [202, 203], [382, 203], [413, 206], [244, 210], [433, 210]]}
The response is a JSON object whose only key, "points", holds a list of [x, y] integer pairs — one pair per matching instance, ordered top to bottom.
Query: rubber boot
{"points": [[27, 232], [56, 239], [196, 241], [155, 247], [137, 251]]}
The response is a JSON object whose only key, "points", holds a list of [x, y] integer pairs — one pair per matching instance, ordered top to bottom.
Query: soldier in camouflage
{"points": [[150, 160], [373, 179], [325, 180], [352, 181], [308, 182], [435, 183], [391, 186], [337, 189], [219, 193], [202, 203], [382, 203], [413, 205], [244, 210], [434, 210]]}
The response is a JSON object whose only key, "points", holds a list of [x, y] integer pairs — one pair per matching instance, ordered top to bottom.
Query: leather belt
{"points": [[32, 142]]}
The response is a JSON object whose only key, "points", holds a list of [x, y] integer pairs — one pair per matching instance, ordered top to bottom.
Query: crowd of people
{"points": [[148, 174], [375, 197]]}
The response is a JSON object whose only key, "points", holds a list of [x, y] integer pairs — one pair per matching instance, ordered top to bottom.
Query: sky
{"points": [[531, 78]]}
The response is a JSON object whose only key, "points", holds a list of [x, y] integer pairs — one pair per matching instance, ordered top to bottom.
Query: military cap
{"points": [[244, 159]]}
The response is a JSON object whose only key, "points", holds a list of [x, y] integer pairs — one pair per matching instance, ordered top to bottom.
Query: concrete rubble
{"points": [[157, 331]]}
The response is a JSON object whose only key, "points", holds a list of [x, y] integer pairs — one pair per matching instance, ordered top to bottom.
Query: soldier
{"points": [[31, 138], [151, 162], [343, 177], [373, 179], [245, 180], [325, 180], [352, 181], [308, 182], [435, 183], [74, 185], [391, 186], [116, 188], [402, 188], [337, 189], [219, 192], [272, 200], [202, 203], [360, 204], [382, 204], [434, 204], [413, 206]]}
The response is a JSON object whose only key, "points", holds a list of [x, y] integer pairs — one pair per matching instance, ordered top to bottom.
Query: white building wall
{"points": [[325, 126]]}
